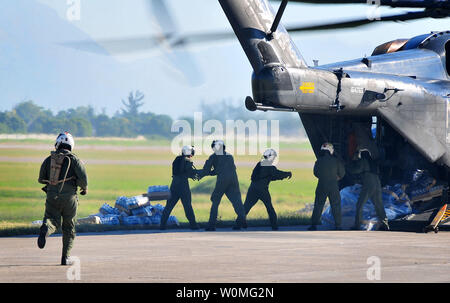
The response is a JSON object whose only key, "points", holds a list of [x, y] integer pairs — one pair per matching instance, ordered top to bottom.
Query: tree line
{"points": [[84, 121]]}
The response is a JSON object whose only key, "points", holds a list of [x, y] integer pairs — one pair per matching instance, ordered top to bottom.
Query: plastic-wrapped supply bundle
{"points": [[421, 186], [158, 188], [158, 192], [396, 192], [425, 194], [349, 197], [137, 201], [125, 204], [122, 205], [393, 205], [396, 207], [158, 208], [106, 209], [135, 210], [143, 211], [156, 219], [89, 220], [109, 220], [131, 220], [135, 220], [145, 220], [172, 220]]}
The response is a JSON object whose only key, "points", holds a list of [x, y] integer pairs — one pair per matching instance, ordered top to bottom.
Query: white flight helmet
{"points": [[65, 138], [218, 146], [327, 146], [361, 150], [188, 151], [270, 155]]}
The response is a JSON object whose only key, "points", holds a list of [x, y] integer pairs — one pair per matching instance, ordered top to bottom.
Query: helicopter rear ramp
{"points": [[420, 221]]}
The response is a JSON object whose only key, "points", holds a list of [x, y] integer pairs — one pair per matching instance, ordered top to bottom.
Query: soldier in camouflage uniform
{"points": [[329, 170], [63, 173]]}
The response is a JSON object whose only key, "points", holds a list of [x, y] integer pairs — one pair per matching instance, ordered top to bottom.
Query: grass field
{"points": [[22, 201]]}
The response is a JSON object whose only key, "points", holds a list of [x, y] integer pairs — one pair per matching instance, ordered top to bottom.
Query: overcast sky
{"points": [[34, 65]]}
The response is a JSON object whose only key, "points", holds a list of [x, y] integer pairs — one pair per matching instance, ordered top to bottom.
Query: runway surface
{"points": [[291, 254]]}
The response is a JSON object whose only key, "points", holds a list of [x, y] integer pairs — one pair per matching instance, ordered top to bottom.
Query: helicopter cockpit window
{"points": [[447, 57]]}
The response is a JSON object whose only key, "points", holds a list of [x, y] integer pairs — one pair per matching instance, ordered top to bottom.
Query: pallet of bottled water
{"points": [[158, 192], [127, 204], [128, 212]]}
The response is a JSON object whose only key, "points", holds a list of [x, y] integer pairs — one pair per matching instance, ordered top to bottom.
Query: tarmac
{"points": [[255, 255]]}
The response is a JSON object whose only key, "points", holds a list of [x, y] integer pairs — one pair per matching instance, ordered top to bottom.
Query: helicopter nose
{"points": [[269, 83]]}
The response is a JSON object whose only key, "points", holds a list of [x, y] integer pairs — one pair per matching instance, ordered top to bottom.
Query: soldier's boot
{"points": [[194, 226], [384, 226], [274, 227], [355, 227], [209, 228], [312, 228], [42, 239], [66, 261]]}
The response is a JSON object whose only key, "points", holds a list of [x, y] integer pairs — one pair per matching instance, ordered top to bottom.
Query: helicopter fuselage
{"points": [[403, 88]]}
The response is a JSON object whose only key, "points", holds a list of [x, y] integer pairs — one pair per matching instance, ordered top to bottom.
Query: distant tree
{"points": [[133, 104], [28, 111], [83, 121], [12, 123], [102, 126], [79, 127], [122, 127], [4, 129]]}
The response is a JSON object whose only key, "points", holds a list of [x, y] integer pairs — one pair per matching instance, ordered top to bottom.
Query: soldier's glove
{"points": [[83, 192]]}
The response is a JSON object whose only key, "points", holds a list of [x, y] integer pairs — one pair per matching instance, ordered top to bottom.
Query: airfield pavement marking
{"points": [[256, 255]]}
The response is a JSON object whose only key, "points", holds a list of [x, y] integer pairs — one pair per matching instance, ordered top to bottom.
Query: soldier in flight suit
{"points": [[182, 170], [329, 170], [63, 173], [263, 173], [227, 183], [371, 188]]}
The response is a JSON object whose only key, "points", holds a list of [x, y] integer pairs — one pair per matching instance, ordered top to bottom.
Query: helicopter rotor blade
{"points": [[392, 3], [160, 12], [359, 22], [170, 36], [142, 43], [117, 46]]}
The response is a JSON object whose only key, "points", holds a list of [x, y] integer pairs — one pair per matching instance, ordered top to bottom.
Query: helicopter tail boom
{"points": [[252, 21]]}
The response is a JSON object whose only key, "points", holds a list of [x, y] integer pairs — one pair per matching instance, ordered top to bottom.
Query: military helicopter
{"points": [[402, 90]]}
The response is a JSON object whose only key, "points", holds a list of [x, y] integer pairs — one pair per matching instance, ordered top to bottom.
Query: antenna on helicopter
{"points": [[277, 19]]}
